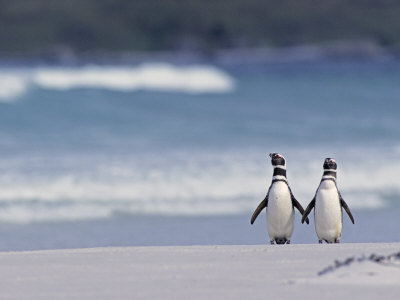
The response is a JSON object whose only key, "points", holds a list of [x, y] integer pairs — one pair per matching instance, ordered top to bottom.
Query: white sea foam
{"points": [[193, 79], [12, 86], [176, 185]]}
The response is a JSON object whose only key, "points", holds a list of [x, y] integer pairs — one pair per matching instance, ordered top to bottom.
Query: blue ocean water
{"points": [[116, 149]]}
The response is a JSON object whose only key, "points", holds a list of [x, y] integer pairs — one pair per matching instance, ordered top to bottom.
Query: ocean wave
{"points": [[162, 77], [12, 86], [174, 185]]}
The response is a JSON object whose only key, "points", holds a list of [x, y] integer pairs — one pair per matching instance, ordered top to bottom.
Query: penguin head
{"points": [[277, 160], [330, 164]]}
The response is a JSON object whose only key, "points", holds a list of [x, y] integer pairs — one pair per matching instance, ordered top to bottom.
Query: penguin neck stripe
{"points": [[280, 167], [330, 170], [279, 171], [329, 173], [328, 177], [279, 178], [283, 180]]}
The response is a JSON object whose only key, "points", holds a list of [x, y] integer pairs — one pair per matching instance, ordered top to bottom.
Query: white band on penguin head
{"points": [[280, 167]]}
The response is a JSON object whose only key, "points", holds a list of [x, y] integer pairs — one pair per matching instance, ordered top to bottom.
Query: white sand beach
{"points": [[200, 272]]}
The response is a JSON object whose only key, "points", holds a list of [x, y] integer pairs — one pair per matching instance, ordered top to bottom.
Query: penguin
{"points": [[279, 203], [328, 204]]}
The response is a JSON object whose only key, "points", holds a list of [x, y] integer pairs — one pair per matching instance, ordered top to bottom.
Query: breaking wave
{"points": [[150, 77], [12, 86], [202, 185]]}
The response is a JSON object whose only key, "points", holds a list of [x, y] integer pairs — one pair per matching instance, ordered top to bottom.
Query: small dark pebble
{"points": [[390, 260]]}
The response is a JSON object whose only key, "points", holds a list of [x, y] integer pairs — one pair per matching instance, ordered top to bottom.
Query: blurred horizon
{"points": [[67, 29]]}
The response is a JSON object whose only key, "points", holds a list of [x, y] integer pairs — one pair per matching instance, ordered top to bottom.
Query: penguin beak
{"points": [[270, 155]]}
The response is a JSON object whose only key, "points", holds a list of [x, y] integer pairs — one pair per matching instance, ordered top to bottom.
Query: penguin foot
{"points": [[281, 241], [319, 241], [337, 241], [272, 242], [288, 242]]}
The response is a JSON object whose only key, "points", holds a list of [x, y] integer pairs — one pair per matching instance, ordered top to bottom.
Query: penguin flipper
{"points": [[298, 205], [259, 208], [346, 208], [308, 210]]}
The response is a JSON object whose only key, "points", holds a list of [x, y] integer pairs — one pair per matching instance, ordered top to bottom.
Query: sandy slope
{"points": [[199, 272]]}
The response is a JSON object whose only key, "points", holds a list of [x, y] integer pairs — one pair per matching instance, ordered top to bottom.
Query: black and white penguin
{"points": [[279, 202], [327, 204]]}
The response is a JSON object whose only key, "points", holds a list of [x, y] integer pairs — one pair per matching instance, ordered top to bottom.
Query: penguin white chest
{"points": [[328, 212], [280, 213]]}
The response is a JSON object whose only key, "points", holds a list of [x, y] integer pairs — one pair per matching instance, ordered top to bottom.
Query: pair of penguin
{"points": [[280, 203]]}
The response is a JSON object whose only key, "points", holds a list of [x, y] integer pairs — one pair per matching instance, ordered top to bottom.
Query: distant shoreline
{"points": [[338, 50]]}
